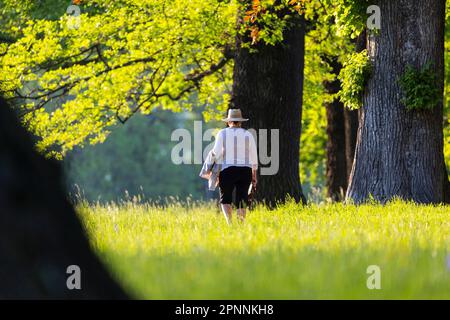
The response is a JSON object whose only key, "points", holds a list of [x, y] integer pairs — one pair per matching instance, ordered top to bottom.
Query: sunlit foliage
{"points": [[74, 81]]}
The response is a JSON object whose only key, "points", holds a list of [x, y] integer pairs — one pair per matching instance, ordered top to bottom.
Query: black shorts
{"points": [[235, 177]]}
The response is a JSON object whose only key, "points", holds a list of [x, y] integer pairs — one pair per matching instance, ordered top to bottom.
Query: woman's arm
{"points": [[218, 145], [253, 159], [254, 177]]}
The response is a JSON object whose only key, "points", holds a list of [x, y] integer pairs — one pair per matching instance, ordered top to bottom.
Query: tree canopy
{"points": [[73, 83]]}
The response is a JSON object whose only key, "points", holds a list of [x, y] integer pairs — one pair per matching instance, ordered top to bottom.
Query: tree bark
{"points": [[268, 88], [400, 153], [336, 166], [40, 235]]}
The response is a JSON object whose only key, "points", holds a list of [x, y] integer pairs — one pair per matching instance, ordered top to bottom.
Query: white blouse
{"points": [[235, 147]]}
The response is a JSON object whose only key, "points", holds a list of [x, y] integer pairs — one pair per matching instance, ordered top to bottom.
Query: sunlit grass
{"points": [[294, 252]]}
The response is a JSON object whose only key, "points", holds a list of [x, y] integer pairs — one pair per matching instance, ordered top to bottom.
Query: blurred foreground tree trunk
{"points": [[268, 88], [399, 153], [40, 234]]}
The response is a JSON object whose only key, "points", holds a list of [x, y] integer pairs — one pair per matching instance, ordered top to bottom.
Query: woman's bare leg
{"points": [[227, 211], [241, 214]]}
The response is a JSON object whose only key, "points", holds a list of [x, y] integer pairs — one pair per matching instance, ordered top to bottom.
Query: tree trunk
{"points": [[268, 88], [400, 153], [336, 168], [40, 235]]}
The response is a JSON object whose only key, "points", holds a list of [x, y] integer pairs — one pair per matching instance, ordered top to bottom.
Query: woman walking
{"points": [[235, 149]]}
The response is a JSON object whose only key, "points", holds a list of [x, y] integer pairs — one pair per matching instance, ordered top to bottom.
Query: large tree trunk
{"points": [[268, 87], [400, 153], [336, 166], [40, 235]]}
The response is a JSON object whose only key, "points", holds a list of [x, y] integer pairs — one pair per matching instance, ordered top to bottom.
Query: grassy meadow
{"points": [[293, 252]]}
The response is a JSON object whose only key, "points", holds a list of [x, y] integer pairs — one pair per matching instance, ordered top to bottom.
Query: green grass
{"points": [[294, 252]]}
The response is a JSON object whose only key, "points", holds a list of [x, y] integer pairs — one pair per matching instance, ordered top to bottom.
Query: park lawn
{"points": [[294, 252]]}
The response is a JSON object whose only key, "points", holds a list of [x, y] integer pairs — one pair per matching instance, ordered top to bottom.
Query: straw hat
{"points": [[234, 115]]}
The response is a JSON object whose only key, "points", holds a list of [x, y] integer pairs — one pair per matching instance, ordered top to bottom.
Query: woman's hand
{"points": [[254, 179]]}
